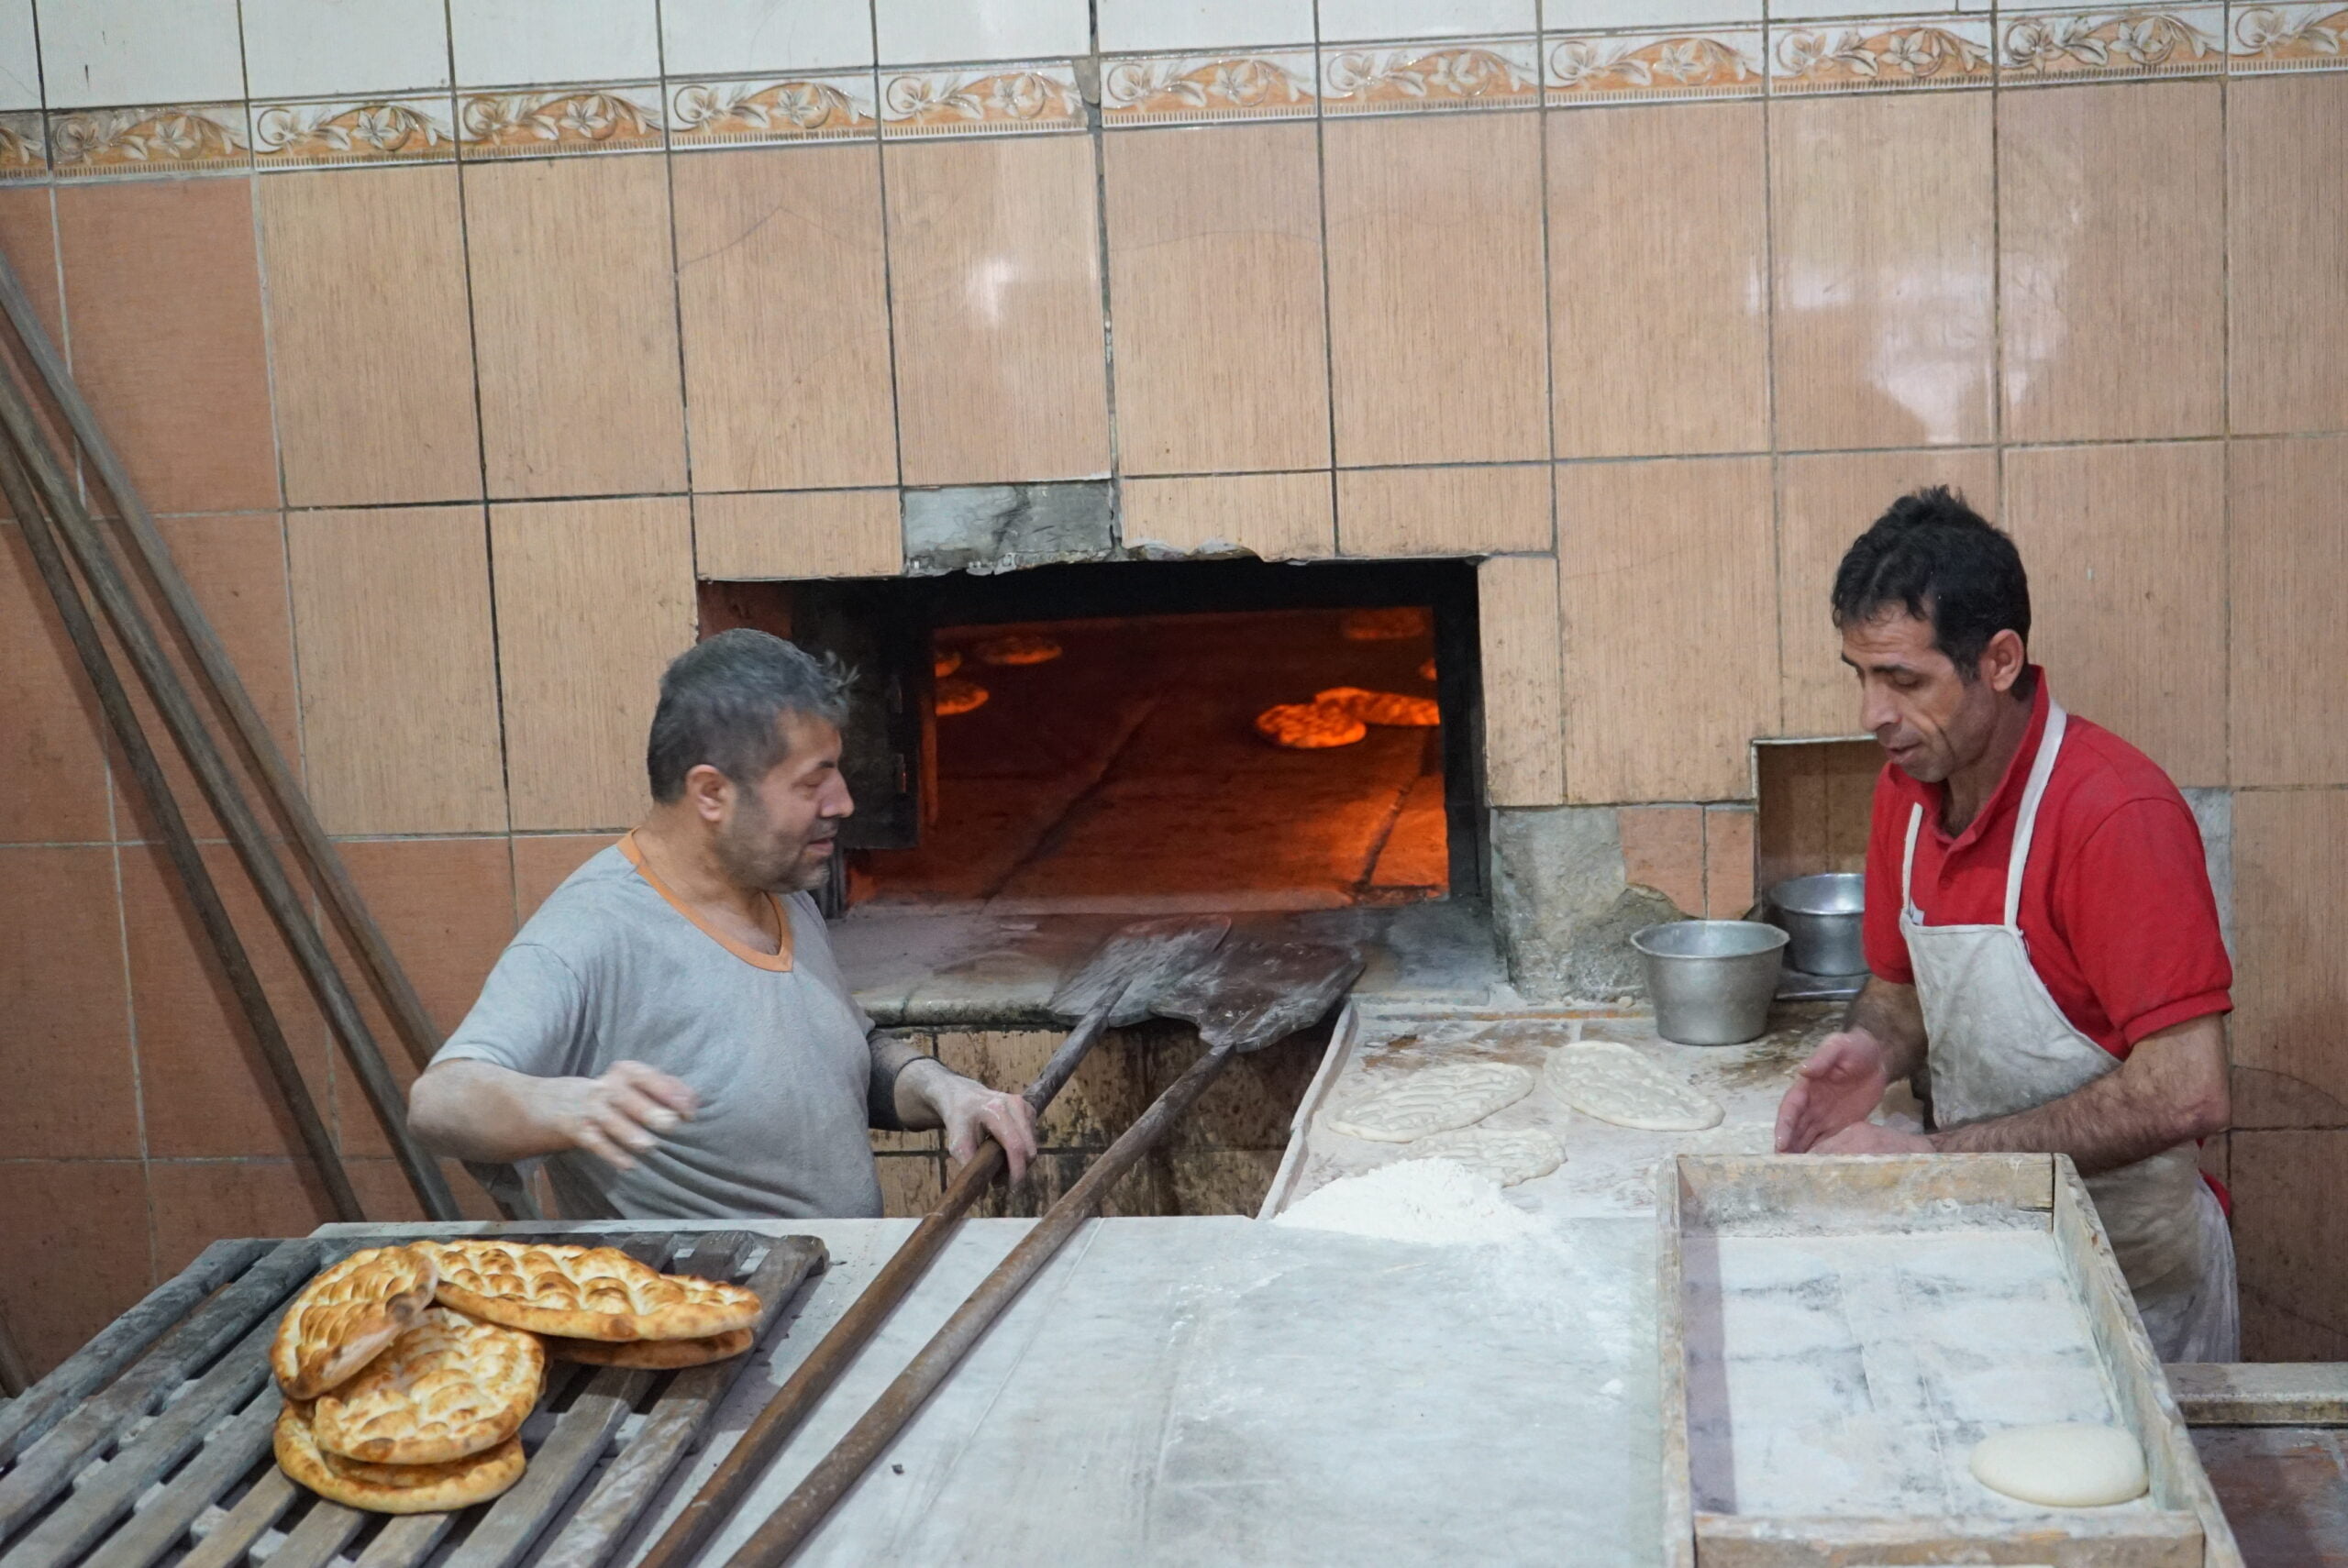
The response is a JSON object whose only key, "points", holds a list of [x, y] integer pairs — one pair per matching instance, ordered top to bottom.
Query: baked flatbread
{"points": [[1384, 626], [1019, 648], [945, 664], [1426, 670], [955, 695], [1389, 710], [1309, 726], [584, 1293], [346, 1315], [656, 1354], [447, 1388], [392, 1488]]}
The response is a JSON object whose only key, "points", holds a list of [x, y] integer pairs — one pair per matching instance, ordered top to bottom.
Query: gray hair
{"points": [[721, 701]]}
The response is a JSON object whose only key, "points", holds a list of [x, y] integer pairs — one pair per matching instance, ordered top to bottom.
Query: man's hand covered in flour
{"points": [[1826, 1111]]}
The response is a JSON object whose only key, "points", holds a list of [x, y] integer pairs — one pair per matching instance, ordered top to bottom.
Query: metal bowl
{"points": [[1824, 915], [1711, 980]]}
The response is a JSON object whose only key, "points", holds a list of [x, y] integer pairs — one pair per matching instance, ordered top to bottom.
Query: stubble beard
{"points": [[748, 850]]}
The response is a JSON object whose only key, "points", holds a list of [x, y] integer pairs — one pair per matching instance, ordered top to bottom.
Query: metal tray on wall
{"points": [[1868, 1208], [151, 1443]]}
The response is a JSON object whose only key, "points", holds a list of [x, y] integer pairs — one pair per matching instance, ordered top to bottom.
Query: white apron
{"points": [[1999, 1045]]}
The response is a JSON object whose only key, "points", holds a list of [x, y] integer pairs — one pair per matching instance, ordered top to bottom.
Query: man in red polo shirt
{"points": [[2041, 938]]}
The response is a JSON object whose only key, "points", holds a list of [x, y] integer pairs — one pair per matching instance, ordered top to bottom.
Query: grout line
{"points": [[1099, 150], [1328, 313], [1770, 382], [2226, 418]]}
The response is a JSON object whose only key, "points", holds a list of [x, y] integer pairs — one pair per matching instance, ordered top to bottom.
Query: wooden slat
{"points": [[1762, 1194], [1671, 1344], [114, 1347], [2260, 1394], [228, 1455], [45, 1469], [618, 1502], [85, 1517], [246, 1523], [324, 1531], [2125, 1540], [407, 1541]]}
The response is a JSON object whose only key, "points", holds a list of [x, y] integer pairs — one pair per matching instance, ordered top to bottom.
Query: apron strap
{"points": [[2042, 768], [1907, 863]]}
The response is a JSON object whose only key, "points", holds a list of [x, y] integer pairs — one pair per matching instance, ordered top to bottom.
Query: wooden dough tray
{"points": [[1837, 1334], [151, 1443]]}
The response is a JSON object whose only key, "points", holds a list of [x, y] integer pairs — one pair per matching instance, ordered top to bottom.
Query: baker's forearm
{"points": [[1894, 1016], [922, 1084], [2171, 1090], [474, 1111]]}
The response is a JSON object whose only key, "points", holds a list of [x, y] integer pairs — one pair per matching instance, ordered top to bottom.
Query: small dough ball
{"points": [[2065, 1465]]}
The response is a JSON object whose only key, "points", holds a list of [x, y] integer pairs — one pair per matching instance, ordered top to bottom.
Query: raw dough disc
{"points": [[1614, 1083], [1434, 1099], [1507, 1157], [2066, 1465]]}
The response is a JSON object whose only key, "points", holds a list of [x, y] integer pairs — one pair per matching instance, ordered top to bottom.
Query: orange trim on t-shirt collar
{"points": [[777, 962]]}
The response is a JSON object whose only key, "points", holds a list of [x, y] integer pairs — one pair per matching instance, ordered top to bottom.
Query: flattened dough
{"points": [[1614, 1083], [1434, 1099], [1506, 1157], [2065, 1465]]}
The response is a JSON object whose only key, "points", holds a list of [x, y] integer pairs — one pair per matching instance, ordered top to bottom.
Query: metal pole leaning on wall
{"points": [[87, 546], [217, 676], [178, 843]]}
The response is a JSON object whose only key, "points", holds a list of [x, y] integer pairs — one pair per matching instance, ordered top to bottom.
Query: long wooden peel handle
{"points": [[87, 547], [178, 843], [814, 1376], [812, 1501]]}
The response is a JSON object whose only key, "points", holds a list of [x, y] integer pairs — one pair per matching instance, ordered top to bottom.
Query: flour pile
{"points": [[1438, 1202]]}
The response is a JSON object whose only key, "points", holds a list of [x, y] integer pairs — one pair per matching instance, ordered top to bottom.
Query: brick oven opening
{"points": [[1083, 738]]}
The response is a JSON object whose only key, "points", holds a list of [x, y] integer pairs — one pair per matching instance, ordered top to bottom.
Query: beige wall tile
{"points": [[2286, 208], [2111, 233], [1657, 256], [994, 269], [1215, 286], [162, 292], [1435, 292], [783, 298], [1884, 308], [574, 317], [369, 337], [1824, 502], [1443, 511], [1279, 517], [837, 533], [2126, 551], [2287, 558], [593, 599], [1669, 626], [399, 672], [1523, 699], [1816, 805], [1663, 848], [1728, 861], [2291, 987]]}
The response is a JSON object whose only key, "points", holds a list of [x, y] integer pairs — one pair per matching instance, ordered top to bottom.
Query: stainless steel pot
{"points": [[1823, 914], [1711, 980]]}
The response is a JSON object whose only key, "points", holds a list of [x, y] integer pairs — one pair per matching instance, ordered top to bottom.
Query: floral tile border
{"points": [[2288, 37], [2076, 45], [1880, 53], [1611, 67], [1471, 74], [1193, 88], [982, 100], [772, 108], [549, 122], [421, 128], [161, 138], [23, 146]]}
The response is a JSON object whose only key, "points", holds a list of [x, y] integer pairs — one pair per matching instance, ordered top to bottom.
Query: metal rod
{"points": [[87, 546], [216, 675], [178, 843], [813, 1378], [812, 1501]]}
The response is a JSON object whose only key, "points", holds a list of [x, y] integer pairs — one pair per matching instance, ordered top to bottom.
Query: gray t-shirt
{"points": [[609, 968]]}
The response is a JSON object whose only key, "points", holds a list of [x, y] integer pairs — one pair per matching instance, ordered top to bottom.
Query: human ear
{"points": [[2003, 662], [709, 791]]}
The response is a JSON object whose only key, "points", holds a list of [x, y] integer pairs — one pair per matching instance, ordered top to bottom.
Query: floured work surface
{"points": [[1839, 1334]]}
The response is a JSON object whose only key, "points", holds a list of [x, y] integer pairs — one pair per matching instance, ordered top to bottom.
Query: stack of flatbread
{"points": [[408, 1371]]}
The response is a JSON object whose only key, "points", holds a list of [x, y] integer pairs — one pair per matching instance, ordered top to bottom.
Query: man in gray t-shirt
{"points": [[670, 1029]]}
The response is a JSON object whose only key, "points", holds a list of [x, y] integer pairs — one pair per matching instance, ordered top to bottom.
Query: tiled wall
{"points": [[453, 336]]}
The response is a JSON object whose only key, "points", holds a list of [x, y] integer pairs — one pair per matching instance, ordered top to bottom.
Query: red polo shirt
{"points": [[2115, 907]]}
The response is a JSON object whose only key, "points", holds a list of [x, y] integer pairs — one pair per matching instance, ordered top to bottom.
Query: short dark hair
{"points": [[1935, 557], [721, 701]]}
